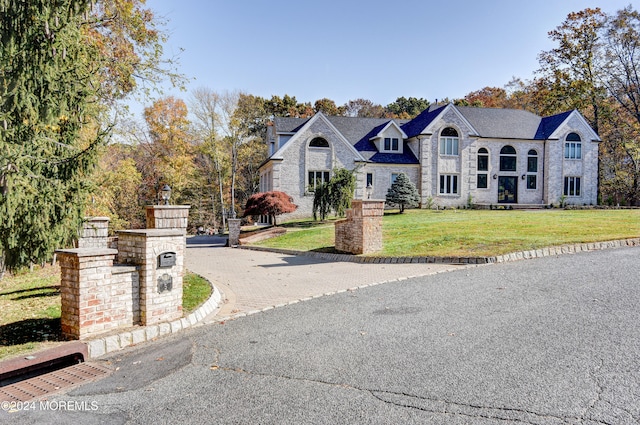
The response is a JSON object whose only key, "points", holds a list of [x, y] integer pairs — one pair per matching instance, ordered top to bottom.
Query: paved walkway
{"points": [[254, 280]]}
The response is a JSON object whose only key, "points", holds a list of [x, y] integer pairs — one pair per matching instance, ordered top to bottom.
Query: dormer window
{"points": [[318, 142], [391, 144]]}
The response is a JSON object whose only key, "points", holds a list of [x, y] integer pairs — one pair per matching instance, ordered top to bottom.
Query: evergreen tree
{"points": [[48, 136], [403, 193]]}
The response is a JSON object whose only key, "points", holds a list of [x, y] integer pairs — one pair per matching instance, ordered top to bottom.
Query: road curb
{"points": [[514, 256]]}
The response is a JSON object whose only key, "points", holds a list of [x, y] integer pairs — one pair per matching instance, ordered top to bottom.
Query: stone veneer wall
{"points": [[361, 231]]}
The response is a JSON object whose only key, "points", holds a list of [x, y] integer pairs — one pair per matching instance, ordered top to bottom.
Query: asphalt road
{"points": [[546, 341]]}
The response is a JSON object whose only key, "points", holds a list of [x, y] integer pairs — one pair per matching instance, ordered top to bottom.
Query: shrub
{"points": [[269, 203]]}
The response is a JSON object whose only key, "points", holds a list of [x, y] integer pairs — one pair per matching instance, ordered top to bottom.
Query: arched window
{"points": [[449, 141], [318, 142], [573, 146], [508, 159], [483, 167], [532, 169]]}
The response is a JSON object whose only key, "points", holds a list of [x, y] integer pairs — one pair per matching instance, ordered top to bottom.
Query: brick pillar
{"points": [[167, 217], [234, 231], [361, 231], [94, 234], [159, 255], [84, 286]]}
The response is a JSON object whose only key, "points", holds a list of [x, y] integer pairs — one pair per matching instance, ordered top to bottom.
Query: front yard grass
{"points": [[476, 233], [30, 308]]}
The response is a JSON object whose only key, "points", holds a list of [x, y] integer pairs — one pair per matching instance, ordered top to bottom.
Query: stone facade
{"points": [[443, 179], [234, 231], [361, 231], [144, 287]]}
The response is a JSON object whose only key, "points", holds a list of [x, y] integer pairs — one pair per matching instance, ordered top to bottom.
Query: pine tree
{"points": [[48, 135], [403, 193]]}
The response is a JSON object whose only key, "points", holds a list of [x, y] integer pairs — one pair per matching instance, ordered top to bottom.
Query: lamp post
{"points": [[369, 191], [165, 194]]}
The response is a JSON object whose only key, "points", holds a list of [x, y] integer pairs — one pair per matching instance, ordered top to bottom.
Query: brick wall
{"points": [[167, 216], [361, 231], [94, 233], [142, 248], [96, 296], [99, 296]]}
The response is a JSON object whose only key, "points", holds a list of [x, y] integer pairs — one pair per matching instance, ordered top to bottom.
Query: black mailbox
{"points": [[167, 259]]}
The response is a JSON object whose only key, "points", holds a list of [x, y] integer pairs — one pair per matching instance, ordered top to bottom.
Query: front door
{"points": [[507, 190]]}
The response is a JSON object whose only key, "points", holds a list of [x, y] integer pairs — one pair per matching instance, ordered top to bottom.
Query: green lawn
{"points": [[463, 233]]}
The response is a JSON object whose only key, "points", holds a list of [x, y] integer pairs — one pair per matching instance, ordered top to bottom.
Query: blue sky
{"points": [[349, 49]]}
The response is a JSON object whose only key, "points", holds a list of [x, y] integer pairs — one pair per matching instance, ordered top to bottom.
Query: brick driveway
{"points": [[253, 280]]}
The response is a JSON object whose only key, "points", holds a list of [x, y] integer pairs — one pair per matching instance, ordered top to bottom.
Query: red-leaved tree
{"points": [[269, 203]]}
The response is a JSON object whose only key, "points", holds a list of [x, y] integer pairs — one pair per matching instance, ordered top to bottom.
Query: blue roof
{"points": [[422, 120], [549, 124], [365, 144], [406, 157]]}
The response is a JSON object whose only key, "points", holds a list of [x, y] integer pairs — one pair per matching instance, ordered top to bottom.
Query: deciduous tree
{"points": [[407, 108], [271, 203]]}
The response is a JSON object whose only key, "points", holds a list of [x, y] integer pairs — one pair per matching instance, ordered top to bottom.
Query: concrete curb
{"points": [[514, 256], [103, 345]]}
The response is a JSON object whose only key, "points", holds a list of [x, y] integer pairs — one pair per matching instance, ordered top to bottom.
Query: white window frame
{"points": [[394, 144], [449, 146], [573, 150], [480, 172], [532, 175], [311, 189]]}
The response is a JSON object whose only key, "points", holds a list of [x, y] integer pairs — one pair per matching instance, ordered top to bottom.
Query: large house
{"points": [[454, 155]]}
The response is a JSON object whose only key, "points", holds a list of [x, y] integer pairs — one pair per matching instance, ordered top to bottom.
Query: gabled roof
{"points": [[422, 121], [484, 122], [391, 123], [501, 123], [296, 124], [550, 124]]}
